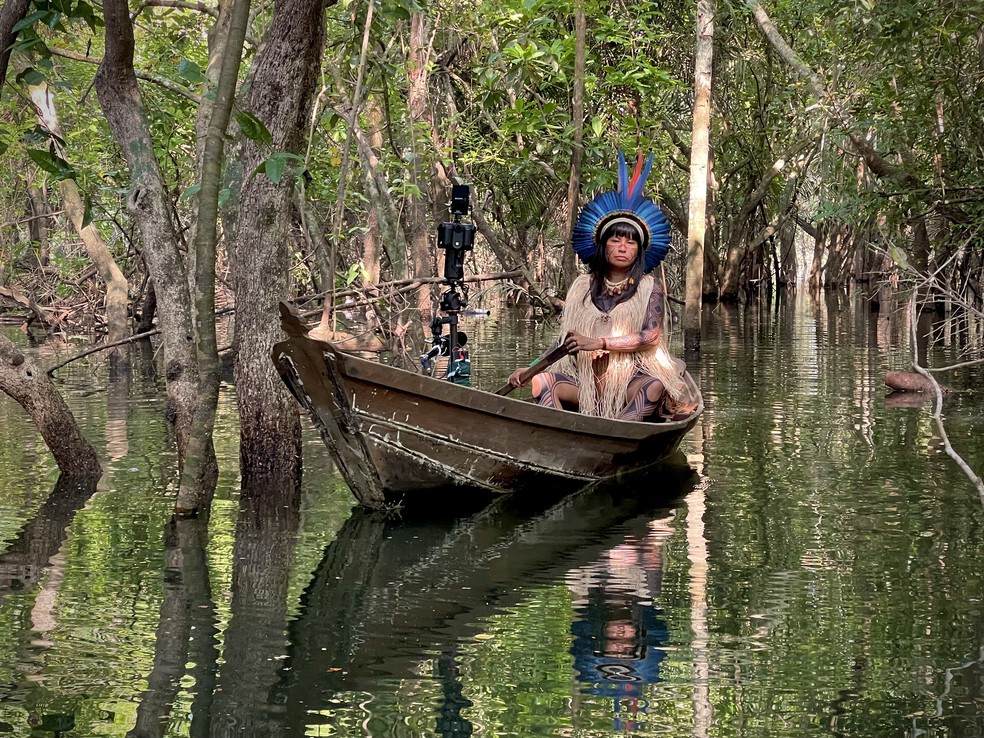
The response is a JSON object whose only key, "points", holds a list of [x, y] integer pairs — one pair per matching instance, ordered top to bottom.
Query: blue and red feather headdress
{"points": [[627, 202]]}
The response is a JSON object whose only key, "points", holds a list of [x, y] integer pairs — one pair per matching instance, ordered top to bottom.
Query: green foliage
{"points": [[52, 163], [275, 165]]}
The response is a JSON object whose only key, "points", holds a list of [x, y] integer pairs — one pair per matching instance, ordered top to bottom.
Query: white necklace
{"points": [[616, 288]]}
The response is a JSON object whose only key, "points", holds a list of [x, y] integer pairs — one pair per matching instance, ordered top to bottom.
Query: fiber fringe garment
{"points": [[604, 395]]}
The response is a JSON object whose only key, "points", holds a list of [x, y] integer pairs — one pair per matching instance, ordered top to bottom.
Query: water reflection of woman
{"points": [[618, 632]]}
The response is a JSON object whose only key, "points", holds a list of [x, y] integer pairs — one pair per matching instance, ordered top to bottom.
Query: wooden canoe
{"points": [[395, 434]]}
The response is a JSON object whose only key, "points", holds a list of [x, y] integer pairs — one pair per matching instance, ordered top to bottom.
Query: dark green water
{"points": [[813, 569]]}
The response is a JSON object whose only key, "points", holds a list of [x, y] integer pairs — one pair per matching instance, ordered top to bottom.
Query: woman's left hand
{"points": [[576, 342]]}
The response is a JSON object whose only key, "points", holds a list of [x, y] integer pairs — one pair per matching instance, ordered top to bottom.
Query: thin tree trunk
{"points": [[577, 151], [699, 153], [40, 223], [371, 241], [424, 261], [117, 290], [32, 389], [198, 472]]}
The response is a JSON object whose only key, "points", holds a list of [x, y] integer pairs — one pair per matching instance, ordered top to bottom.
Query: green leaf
{"points": [[29, 20], [190, 71], [31, 77], [253, 128], [52, 163], [274, 168], [191, 191], [87, 211]]}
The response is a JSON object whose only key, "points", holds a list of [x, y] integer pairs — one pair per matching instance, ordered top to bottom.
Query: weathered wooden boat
{"points": [[394, 434]]}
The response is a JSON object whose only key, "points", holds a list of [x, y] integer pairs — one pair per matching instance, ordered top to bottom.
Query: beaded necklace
{"points": [[617, 288]]}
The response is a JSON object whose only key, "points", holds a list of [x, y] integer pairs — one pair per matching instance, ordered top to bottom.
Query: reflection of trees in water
{"points": [[33, 554], [26, 559], [386, 593], [186, 608], [255, 640], [231, 698]]}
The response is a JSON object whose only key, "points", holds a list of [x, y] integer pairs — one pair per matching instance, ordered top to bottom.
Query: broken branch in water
{"points": [[938, 406]]}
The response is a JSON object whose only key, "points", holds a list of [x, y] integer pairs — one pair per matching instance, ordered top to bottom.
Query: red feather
{"points": [[635, 175]]}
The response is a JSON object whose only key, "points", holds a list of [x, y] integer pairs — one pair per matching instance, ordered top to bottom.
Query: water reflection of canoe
{"points": [[394, 433], [390, 591]]}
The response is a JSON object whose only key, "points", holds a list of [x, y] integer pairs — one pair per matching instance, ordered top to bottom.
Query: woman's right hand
{"points": [[577, 342], [516, 378]]}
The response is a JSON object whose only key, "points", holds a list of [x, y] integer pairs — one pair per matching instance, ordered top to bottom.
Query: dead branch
{"points": [[938, 406]]}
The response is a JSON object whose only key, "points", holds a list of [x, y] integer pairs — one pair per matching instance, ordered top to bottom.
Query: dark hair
{"points": [[598, 264]]}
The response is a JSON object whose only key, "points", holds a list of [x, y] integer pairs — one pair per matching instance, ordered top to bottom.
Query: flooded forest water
{"points": [[812, 567]]}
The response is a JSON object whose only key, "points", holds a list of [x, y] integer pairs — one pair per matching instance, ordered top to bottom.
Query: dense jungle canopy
{"points": [[167, 160]]}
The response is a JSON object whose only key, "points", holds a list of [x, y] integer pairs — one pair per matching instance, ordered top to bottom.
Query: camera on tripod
{"points": [[456, 238]]}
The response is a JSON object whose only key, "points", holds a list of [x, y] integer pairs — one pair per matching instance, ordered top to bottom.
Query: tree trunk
{"points": [[13, 12], [279, 91], [577, 150], [699, 154], [150, 207], [40, 222], [393, 238], [371, 241], [424, 261], [816, 267], [117, 290], [32, 389], [194, 489]]}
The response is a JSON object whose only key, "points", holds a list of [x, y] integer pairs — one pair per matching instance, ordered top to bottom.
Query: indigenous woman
{"points": [[618, 366]]}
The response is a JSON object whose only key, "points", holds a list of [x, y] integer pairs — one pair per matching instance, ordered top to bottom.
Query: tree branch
{"points": [[159, 81], [938, 406]]}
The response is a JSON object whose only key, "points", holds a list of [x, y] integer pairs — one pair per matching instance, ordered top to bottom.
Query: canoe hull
{"points": [[394, 433]]}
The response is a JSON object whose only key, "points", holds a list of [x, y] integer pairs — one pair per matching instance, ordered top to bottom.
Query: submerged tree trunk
{"points": [[280, 92], [699, 154], [149, 204], [32, 389], [193, 490]]}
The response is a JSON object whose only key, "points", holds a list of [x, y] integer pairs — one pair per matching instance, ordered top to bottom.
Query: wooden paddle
{"points": [[546, 360]]}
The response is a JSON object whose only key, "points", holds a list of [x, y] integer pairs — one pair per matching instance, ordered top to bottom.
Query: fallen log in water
{"points": [[909, 382]]}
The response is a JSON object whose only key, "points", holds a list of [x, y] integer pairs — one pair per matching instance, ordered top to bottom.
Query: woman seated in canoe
{"points": [[619, 366]]}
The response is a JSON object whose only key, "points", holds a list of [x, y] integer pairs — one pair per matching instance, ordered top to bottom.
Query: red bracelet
{"points": [[604, 344]]}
